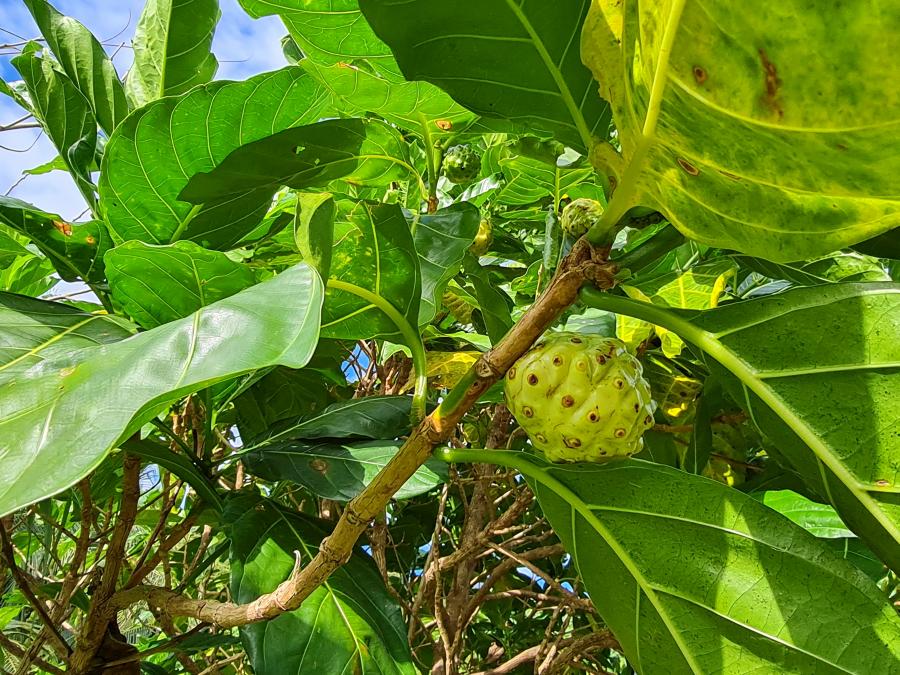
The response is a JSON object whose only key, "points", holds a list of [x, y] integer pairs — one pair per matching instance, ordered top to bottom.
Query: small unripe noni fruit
{"points": [[462, 164], [581, 215], [483, 239], [580, 398]]}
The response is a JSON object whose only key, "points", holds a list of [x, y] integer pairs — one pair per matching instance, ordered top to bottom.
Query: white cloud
{"points": [[243, 46]]}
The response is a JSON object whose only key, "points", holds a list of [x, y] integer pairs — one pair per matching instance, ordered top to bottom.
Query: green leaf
{"points": [[329, 32], [172, 49], [513, 60], [85, 62], [417, 106], [65, 115], [745, 138], [360, 151], [153, 154], [531, 180], [314, 229], [442, 240], [10, 249], [75, 249], [374, 256], [28, 274], [159, 284], [492, 301], [817, 370], [78, 401], [371, 417], [179, 465], [338, 471], [819, 520], [696, 577], [348, 624]]}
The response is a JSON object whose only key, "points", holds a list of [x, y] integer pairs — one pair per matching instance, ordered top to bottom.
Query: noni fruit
{"points": [[462, 164], [580, 215], [483, 239], [580, 398]]}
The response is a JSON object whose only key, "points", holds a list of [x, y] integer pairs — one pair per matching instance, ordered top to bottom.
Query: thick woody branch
{"points": [[581, 265]]}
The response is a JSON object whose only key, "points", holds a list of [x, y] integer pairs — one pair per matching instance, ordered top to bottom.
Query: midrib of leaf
{"points": [[165, 54], [627, 189], [44, 345], [748, 377], [520, 463]]}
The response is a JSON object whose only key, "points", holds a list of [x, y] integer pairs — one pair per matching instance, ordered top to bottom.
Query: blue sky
{"points": [[244, 47]]}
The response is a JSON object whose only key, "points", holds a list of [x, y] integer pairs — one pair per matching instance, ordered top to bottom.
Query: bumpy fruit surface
{"points": [[462, 164], [580, 215], [483, 239], [580, 398]]}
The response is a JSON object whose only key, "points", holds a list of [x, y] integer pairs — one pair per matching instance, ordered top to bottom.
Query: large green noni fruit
{"points": [[462, 164], [580, 216], [580, 398]]}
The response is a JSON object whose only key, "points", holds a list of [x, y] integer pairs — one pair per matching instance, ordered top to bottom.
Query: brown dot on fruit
{"points": [[699, 74], [575, 341], [601, 359], [557, 361], [581, 365], [512, 374], [532, 379], [619, 383], [568, 401], [637, 407], [528, 412], [593, 416], [648, 419], [620, 433], [541, 438], [573, 443], [603, 452]]}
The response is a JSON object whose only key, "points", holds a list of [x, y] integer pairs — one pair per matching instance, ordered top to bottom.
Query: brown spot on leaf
{"points": [[699, 74], [772, 84], [443, 125], [688, 167], [730, 175], [63, 227], [90, 240], [319, 465], [882, 483]]}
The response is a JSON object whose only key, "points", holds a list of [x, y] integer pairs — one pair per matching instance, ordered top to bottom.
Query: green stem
{"points": [[432, 160], [626, 193], [182, 226], [410, 335]]}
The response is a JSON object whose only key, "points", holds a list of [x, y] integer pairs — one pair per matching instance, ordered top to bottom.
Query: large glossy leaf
{"points": [[329, 32], [172, 49], [520, 60], [85, 62], [417, 106], [65, 115], [745, 138], [360, 151], [150, 158], [530, 180], [441, 241], [75, 249], [375, 264], [159, 284], [818, 369], [74, 401], [338, 471], [820, 520], [695, 577], [349, 624]]}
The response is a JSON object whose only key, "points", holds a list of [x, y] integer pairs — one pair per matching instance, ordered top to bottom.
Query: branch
{"points": [[582, 264], [25, 587], [100, 613], [17, 651]]}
